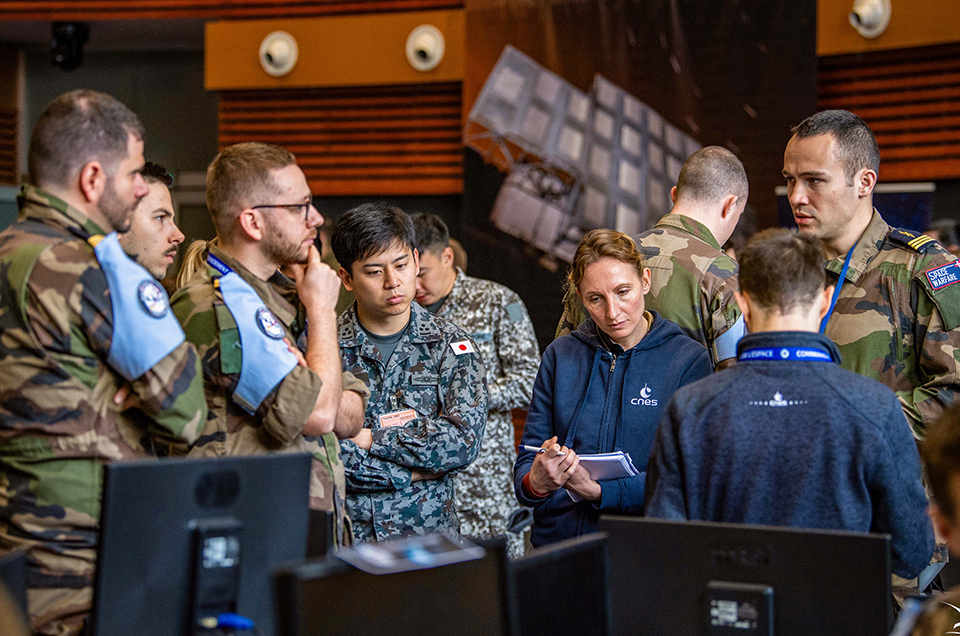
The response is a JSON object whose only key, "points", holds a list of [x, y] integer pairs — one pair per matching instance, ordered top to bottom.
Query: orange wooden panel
{"points": [[210, 9], [912, 24], [357, 50], [366, 141], [8, 147]]}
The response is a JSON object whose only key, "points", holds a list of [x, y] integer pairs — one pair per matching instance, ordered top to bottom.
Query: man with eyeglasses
{"points": [[243, 315]]}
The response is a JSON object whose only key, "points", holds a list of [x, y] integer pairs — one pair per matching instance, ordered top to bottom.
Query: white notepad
{"points": [[602, 466]]}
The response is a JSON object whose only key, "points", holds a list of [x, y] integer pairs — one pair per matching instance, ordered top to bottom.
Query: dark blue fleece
{"points": [[595, 405], [792, 443]]}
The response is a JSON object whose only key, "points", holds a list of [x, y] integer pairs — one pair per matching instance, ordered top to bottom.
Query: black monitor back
{"points": [[13, 576], [143, 579], [824, 582], [561, 589], [329, 597]]}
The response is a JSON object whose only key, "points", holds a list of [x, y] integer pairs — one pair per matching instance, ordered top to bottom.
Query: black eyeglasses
{"points": [[288, 206]]}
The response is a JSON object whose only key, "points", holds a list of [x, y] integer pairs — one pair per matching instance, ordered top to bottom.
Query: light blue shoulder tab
{"points": [[144, 329], [725, 346], [265, 359]]}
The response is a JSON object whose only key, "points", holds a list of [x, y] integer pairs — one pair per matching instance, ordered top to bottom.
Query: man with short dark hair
{"points": [[153, 236], [692, 280], [74, 312], [241, 313], [896, 314], [498, 322], [428, 405], [787, 437]]}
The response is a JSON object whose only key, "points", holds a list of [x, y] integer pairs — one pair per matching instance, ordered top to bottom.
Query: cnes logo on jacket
{"points": [[644, 399]]}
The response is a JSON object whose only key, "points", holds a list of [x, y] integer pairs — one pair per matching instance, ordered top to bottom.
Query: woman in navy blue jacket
{"points": [[601, 389]]}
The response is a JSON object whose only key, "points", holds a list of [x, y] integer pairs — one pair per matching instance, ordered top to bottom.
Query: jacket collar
{"points": [[38, 204], [689, 226], [866, 248], [266, 290], [421, 329], [779, 339]]}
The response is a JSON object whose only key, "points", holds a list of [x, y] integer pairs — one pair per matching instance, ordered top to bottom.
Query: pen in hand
{"points": [[538, 450]]}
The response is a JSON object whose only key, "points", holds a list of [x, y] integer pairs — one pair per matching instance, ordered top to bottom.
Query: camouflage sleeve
{"points": [[573, 313], [721, 315], [937, 342], [519, 357], [353, 383], [170, 394], [285, 410], [452, 439], [367, 473]]}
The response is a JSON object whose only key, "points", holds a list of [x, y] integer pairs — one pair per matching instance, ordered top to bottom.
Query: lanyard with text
{"points": [[218, 265], [836, 291], [786, 353]]}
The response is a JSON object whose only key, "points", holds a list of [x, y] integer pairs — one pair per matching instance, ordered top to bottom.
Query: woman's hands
{"points": [[559, 467]]}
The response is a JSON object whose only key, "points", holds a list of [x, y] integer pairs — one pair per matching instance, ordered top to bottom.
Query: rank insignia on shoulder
{"points": [[917, 242], [944, 275], [152, 298], [269, 324], [462, 346]]}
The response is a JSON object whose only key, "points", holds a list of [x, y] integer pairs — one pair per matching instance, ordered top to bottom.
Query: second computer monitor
{"points": [[692, 578]]}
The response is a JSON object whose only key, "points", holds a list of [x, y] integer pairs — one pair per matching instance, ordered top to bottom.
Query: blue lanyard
{"points": [[218, 265], [836, 290], [786, 353]]}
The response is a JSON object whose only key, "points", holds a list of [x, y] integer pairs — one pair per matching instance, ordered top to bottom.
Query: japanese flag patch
{"points": [[944, 275], [462, 346]]}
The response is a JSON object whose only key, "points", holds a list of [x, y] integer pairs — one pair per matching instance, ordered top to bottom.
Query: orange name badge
{"points": [[397, 418]]}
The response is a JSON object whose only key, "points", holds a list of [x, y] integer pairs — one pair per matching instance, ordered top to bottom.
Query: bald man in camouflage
{"points": [[692, 280], [73, 311]]}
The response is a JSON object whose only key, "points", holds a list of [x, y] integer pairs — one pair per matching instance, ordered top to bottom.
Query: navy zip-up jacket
{"points": [[597, 398], [795, 442]]}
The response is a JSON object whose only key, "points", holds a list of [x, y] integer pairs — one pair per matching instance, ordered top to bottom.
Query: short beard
{"points": [[113, 209], [277, 248]]}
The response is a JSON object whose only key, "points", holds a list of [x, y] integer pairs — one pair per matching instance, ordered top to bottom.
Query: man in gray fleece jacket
{"points": [[787, 437]]}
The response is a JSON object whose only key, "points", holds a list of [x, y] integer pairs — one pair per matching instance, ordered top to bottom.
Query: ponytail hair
{"points": [[194, 259]]}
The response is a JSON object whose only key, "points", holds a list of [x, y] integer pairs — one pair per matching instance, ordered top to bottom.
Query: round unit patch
{"points": [[152, 298], [269, 324]]}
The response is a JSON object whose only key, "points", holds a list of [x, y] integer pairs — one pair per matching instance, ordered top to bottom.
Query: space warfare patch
{"points": [[944, 275], [152, 298], [269, 324], [462, 347]]}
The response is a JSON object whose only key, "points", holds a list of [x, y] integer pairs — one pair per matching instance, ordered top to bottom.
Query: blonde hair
{"points": [[598, 244], [194, 259]]}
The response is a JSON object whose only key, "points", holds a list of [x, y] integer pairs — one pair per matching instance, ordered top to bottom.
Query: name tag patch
{"points": [[944, 275], [462, 347], [397, 418]]}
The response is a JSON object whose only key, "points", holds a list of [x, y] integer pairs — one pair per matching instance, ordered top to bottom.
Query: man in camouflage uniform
{"points": [[692, 280], [71, 306], [896, 308], [497, 320], [263, 395], [428, 402]]}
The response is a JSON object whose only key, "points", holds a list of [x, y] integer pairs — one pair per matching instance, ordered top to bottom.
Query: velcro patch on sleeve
{"points": [[944, 275], [461, 347]]}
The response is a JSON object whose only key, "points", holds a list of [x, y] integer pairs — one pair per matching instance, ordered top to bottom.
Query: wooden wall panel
{"points": [[211, 9], [912, 24], [356, 50], [910, 98], [393, 140], [8, 147]]}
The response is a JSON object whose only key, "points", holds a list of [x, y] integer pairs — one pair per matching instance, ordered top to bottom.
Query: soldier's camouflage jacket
{"points": [[692, 282], [897, 317], [498, 322], [436, 371], [58, 423], [277, 424]]}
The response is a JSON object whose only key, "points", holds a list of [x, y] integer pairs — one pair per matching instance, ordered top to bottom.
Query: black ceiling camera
{"points": [[66, 44]]}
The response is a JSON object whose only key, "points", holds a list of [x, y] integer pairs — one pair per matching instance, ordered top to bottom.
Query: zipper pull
{"points": [[613, 363]]}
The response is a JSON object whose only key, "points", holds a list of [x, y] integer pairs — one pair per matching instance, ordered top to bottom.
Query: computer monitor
{"points": [[183, 538], [694, 578], [562, 589], [320, 598]]}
